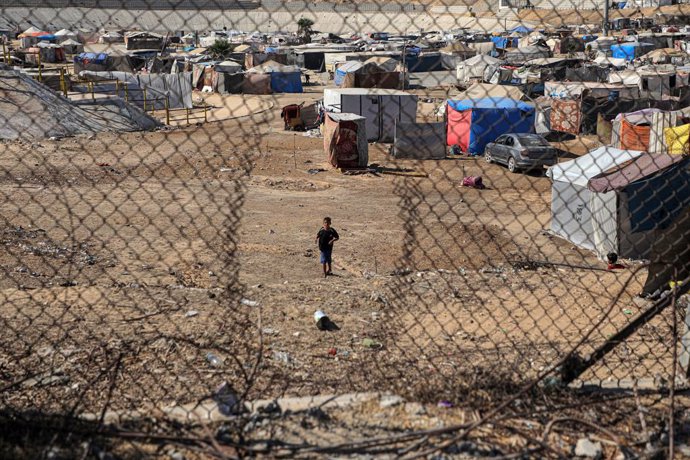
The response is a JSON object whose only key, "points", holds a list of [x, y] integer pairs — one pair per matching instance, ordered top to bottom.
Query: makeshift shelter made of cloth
{"points": [[473, 123], [631, 131], [678, 139], [345, 140]]}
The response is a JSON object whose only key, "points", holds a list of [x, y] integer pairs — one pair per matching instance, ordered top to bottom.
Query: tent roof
{"points": [[31, 30], [521, 30], [63, 32], [69, 41], [631, 45], [457, 47], [243, 48], [528, 50], [665, 52], [480, 59], [551, 60], [606, 60], [383, 62], [273, 66], [350, 66], [482, 90], [489, 103], [345, 116], [639, 116], [641, 167], [580, 170]]}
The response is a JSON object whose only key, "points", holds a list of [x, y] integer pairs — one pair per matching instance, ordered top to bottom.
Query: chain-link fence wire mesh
{"points": [[166, 167]]}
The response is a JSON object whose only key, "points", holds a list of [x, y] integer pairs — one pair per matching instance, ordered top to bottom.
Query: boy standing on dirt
{"points": [[326, 237]]}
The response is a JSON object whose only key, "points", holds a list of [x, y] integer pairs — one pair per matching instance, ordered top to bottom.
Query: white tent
{"points": [[32, 30], [64, 34], [72, 46], [228, 67], [474, 67], [574, 208]]}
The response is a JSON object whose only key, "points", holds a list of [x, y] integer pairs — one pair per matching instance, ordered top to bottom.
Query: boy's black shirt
{"points": [[325, 236]]}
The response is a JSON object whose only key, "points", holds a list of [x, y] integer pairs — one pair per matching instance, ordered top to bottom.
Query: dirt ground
{"points": [[126, 257]]}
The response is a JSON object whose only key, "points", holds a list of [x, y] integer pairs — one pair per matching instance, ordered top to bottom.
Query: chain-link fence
{"points": [[337, 229]]}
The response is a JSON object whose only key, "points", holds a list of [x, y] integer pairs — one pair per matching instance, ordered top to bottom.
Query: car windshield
{"points": [[533, 142]]}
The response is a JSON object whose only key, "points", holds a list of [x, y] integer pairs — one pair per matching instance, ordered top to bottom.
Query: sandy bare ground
{"points": [[125, 257]]}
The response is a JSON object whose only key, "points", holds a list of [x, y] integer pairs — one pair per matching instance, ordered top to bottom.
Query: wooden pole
{"points": [[4, 53], [40, 74], [63, 82], [117, 88], [126, 92], [93, 94], [144, 99], [167, 111], [684, 357]]}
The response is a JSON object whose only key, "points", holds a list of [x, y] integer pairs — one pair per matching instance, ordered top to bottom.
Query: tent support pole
{"points": [[606, 18], [167, 111], [684, 356]]}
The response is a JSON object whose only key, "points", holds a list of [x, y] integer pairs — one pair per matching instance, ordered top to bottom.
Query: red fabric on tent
{"points": [[459, 128], [634, 137]]}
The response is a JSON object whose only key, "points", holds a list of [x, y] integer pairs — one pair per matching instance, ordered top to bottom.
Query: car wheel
{"points": [[487, 157], [512, 166]]}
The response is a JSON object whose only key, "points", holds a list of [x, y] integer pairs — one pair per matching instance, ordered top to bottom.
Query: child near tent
{"points": [[325, 238], [612, 259]]}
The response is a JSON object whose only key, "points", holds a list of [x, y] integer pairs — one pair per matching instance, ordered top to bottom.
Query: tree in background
{"points": [[304, 28], [220, 49]]}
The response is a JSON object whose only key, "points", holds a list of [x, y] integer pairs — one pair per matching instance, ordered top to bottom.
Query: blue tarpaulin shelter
{"points": [[521, 30], [504, 42], [630, 51], [96, 58], [344, 69], [284, 78], [286, 82], [473, 123]]}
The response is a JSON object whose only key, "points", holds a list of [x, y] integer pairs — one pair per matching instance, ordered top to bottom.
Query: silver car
{"points": [[521, 152]]}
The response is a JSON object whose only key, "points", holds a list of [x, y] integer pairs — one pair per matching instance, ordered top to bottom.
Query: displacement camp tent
{"points": [[520, 30], [64, 34], [72, 46], [631, 50], [528, 53], [475, 67], [369, 74], [284, 78], [382, 108], [473, 123], [631, 131], [345, 140], [419, 141], [633, 204], [572, 213]]}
